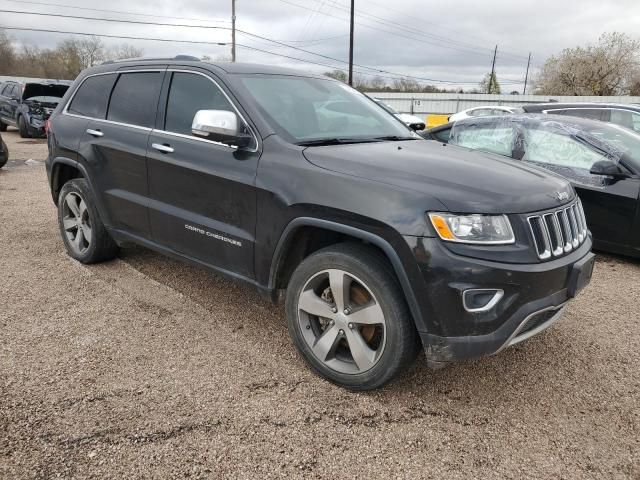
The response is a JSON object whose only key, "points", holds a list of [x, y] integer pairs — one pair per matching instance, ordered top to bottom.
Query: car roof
{"points": [[222, 67], [596, 105]]}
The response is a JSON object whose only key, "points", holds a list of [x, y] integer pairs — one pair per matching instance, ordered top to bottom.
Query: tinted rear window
{"points": [[92, 97], [135, 98]]}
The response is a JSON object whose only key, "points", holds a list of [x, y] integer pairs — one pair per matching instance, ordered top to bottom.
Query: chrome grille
{"points": [[558, 232]]}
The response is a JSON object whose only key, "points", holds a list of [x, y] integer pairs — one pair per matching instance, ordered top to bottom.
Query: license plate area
{"points": [[580, 275]]}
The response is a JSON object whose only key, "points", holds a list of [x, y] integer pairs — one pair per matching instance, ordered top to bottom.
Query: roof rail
{"points": [[189, 58]]}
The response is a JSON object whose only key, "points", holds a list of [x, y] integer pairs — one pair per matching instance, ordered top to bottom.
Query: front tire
{"points": [[3, 126], [23, 128], [83, 233], [348, 318]]}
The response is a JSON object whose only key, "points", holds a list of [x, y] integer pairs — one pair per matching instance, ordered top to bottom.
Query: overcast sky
{"points": [[451, 41]]}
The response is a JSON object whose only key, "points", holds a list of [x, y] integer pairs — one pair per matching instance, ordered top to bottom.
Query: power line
{"points": [[122, 12], [128, 12], [139, 22], [409, 28], [197, 42], [452, 45]]}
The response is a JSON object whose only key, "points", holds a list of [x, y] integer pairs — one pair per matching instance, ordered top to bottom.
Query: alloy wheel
{"points": [[77, 223], [342, 322]]}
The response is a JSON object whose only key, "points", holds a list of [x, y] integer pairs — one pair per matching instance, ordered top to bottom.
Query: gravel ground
{"points": [[144, 367]]}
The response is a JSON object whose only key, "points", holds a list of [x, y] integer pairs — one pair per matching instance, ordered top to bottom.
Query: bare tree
{"points": [[123, 51], [7, 53], [607, 68], [337, 75], [378, 83]]}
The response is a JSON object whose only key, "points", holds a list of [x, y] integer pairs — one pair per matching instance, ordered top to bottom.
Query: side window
{"points": [[189, 93], [92, 97], [134, 100], [480, 112], [592, 113], [626, 119], [443, 135], [492, 139], [553, 148]]}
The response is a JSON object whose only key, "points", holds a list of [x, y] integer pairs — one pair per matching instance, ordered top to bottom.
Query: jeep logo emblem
{"points": [[562, 196]]}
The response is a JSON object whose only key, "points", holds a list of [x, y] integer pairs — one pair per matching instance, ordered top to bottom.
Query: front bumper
{"points": [[36, 125], [534, 298]]}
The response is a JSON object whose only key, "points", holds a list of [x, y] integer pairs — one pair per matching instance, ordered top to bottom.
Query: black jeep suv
{"points": [[27, 106], [377, 240]]}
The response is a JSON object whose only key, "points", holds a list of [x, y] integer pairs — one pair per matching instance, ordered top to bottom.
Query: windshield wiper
{"points": [[393, 138], [334, 141]]}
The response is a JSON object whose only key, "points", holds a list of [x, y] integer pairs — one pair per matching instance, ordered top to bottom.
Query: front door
{"points": [[202, 193]]}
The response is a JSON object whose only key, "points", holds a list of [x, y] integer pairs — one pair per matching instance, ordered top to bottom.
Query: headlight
{"points": [[473, 228]]}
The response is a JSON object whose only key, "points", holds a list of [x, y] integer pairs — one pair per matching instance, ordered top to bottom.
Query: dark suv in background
{"points": [[28, 106], [377, 240]]}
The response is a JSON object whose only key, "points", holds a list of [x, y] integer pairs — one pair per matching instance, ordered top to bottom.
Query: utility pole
{"points": [[233, 30], [351, 45], [493, 70], [526, 77]]}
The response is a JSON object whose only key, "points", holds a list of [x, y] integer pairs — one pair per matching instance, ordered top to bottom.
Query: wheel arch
{"points": [[63, 170], [343, 232]]}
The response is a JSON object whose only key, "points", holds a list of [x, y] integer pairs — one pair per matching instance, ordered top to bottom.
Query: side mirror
{"points": [[220, 126], [416, 126], [607, 168]]}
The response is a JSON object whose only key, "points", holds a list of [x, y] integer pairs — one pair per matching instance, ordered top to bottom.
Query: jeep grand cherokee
{"points": [[378, 241]]}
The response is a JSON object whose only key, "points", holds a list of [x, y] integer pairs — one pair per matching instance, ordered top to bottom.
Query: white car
{"points": [[486, 111], [411, 121]]}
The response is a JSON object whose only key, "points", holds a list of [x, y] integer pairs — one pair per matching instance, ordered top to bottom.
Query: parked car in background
{"points": [[28, 106], [485, 111], [627, 116], [413, 122], [4, 153], [601, 160], [301, 187]]}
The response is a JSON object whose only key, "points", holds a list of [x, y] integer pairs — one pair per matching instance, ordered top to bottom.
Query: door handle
{"points": [[95, 133], [162, 148]]}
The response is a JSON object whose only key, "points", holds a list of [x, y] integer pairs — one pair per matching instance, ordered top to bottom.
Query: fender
{"points": [[376, 240]]}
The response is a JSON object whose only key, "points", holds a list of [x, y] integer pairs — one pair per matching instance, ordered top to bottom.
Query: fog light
{"points": [[481, 300]]}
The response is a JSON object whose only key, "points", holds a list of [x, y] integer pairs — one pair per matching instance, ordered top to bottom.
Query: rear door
{"points": [[114, 146], [202, 193]]}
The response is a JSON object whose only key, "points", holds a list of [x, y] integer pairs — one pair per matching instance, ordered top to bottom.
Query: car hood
{"points": [[44, 90], [465, 181]]}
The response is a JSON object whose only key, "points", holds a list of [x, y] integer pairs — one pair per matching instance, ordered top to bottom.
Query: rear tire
{"points": [[3, 126], [23, 128], [83, 233], [361, 338]]}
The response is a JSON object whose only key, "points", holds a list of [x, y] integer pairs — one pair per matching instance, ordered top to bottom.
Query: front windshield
{"points": [[310, 109]]}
